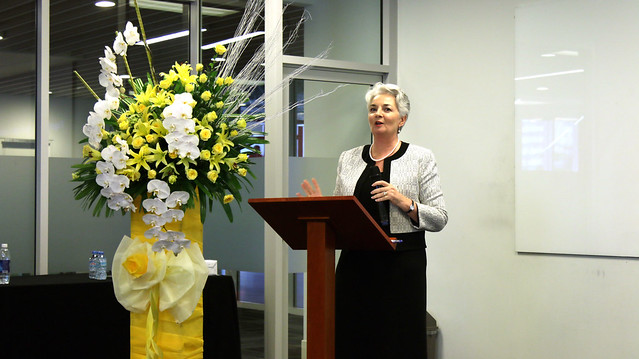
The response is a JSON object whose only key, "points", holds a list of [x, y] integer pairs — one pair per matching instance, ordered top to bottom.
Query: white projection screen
{"points": [[577, 128]]}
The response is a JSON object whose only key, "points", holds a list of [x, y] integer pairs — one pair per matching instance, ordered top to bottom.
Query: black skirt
{"points": [[380, 304]]}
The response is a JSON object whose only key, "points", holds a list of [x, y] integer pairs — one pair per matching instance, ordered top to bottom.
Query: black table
{"points": [[71, 316]]}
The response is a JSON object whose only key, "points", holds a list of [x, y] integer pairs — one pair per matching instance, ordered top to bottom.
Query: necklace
{"points": [[370, 153]]}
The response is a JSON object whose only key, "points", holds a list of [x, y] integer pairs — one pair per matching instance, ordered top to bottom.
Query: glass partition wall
{"points": [[332, 119], [17, 133]]}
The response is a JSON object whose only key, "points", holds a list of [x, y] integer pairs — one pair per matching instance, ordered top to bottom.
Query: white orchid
{"points": [[131, 34], [119, 45], [108, 54], [108, 65], [109, 79], [113, 91], [184, 98], [113, 101], [102, 109], [178, 110], [95, 120], [176, 124], [93, 133], [185, 145], [124, 146], [186, 149], [115, 156], [119, 160], [105, 167], [115, 183], [159, 188], [177, 198], [121, 201], [154, 205], [173, 215], [153, 220], [154, 232], [174, 241]]}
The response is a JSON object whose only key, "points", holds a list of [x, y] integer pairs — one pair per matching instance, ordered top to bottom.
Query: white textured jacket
{"points": [[414, 174]]}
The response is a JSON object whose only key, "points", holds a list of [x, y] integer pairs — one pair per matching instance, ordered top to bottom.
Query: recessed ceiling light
{"points": [[104, 4]]}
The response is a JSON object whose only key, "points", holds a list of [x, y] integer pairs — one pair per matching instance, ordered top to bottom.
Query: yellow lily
{"points": [[145, 97], [222, 137], [156, 155], [139, 159], [216, 160]]}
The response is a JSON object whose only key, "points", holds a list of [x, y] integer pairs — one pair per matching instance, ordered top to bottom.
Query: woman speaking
{"points": [[380, 296]]}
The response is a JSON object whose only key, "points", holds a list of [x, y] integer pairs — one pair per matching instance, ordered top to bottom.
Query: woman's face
{"points": [[383, 116]]}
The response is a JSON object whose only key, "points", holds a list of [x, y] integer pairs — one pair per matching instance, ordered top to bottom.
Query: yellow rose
{"points": [[220, 49], [199, 67], [202, 78], [228, 80], [219, 81], [166, 83], [189, 87], [206, 95], [219, 104], [211, 116], [241, 123], [124, 125], [234, 133], [205, 134], [150, 138], [138, 142], [218, 148], [173, 155], [205, 155], [242, 157], [242, 172], [152, 174], [191, 174], [212, 176], [172, 179], [228, 198], [136, 264]]}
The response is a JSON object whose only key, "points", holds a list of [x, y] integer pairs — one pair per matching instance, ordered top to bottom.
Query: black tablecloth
{"points": [[71, 316]]}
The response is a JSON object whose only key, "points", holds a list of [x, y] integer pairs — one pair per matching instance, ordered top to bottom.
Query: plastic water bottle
{"points": [[5, 264], [93, 264], [101, 269]]}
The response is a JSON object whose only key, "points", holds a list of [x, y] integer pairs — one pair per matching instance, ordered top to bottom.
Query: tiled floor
{"points": [[252, 334]]}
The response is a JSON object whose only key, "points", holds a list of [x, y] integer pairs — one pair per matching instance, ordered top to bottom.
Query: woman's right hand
{"points": [[310, 190]]}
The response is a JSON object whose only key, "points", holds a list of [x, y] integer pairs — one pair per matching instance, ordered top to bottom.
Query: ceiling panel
{"points": [[79, 31]]}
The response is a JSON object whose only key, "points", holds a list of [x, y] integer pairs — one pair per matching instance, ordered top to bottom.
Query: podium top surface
{"points": [[347, 219]]}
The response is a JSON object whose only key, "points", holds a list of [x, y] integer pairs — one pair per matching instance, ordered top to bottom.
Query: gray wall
{"points": [[456, 61]]}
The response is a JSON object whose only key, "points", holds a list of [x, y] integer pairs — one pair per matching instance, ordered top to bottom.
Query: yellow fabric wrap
{"points": [[165, 300]]}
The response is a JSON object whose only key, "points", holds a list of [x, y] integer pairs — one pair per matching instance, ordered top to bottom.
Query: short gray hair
{"points": [[401, 99]]}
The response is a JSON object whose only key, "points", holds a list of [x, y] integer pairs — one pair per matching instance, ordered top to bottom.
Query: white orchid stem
{"points": [[146, 47], [128, 70], [87, 85]]}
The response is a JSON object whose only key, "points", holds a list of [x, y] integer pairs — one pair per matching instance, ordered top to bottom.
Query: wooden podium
{"points": [[321, 225]]}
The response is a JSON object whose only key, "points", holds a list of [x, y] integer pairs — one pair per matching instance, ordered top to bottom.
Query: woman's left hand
{"points": [[385, 191]]}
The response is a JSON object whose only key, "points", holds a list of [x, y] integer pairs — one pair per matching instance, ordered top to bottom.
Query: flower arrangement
{"points": [[184, 130], [169, 143]]}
